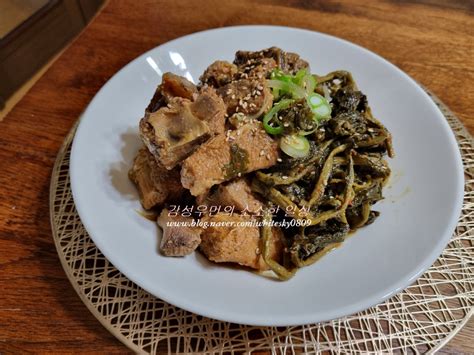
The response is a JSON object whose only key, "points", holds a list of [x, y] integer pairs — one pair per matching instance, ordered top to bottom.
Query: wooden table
{"points": [[432, 40]]}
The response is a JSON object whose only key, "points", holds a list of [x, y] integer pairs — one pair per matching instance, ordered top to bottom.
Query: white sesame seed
{"points": [[286, 124], [268, 156], [279, 160], [284, 177]]}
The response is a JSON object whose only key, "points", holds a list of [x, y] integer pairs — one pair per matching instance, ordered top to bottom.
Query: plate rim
{"points": [[353, 308]]}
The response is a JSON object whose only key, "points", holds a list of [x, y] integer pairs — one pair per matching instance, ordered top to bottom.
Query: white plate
{"points": [[419, 213]]}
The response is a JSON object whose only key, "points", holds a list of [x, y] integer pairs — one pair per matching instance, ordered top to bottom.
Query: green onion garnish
{"points": [[298, 78], [309, 83], [298, 86], [287, 87], [319, 106], [274, 112], [305, 133], [295, 146]]}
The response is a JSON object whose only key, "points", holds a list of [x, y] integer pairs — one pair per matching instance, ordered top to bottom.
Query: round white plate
{"points": [[419, 213]]}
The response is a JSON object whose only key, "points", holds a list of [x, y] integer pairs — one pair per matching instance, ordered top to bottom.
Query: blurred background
{"points": [[32, 34]]}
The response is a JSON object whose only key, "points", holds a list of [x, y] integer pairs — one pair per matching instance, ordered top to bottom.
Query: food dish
{"points": [[260, 141], [379, 261]]}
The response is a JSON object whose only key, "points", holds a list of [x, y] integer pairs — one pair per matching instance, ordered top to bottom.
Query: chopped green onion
{"points": [[277, 74], [298, 78], [309, 83], [298, 86], [287, 87], [315, 100], [283, 104], [319, 106], [322, 111], [305, 133], [295, 146]]}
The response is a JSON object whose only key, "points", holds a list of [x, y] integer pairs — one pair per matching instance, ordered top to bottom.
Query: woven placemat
{"points": [[422, 318]]}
